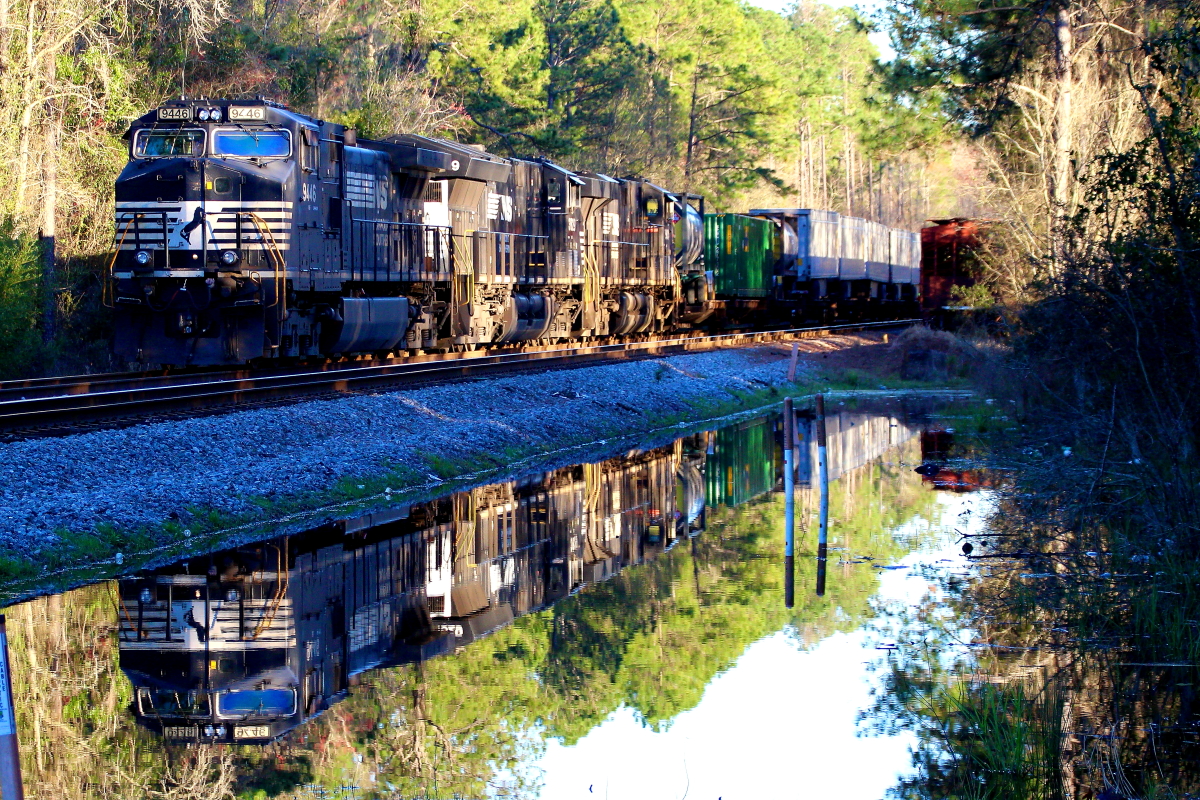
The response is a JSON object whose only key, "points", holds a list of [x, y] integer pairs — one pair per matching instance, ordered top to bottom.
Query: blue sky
{"points": [[868, 7]]}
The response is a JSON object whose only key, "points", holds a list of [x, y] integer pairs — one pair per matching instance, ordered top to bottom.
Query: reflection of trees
{"points": [[1067, 688], [980, 734], [77, 740]]}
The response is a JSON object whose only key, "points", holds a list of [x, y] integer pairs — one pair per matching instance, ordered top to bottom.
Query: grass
{"points": [[1006, 738]]}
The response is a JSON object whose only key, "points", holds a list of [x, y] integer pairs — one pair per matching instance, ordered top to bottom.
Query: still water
{"points": [[613, 629]]}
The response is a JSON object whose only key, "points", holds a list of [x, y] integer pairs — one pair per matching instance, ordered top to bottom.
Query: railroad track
{"points": [[56, 406]]}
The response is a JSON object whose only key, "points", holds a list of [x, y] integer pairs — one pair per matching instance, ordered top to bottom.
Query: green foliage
{"points": [[967, 55], [977, 296], [20, 300], [991, 738]]}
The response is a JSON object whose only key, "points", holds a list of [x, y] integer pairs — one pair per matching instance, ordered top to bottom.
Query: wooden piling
{"points": [[792, 365], [823, 493], [789, 503], [822, 563], [11, 787]]}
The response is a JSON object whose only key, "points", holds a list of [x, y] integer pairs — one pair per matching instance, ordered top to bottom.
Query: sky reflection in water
{"points": [[782, 722]]}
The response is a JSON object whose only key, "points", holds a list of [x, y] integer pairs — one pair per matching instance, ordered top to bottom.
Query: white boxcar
{"points": [[818, 239], [878, 252], [914, 252], [898, 257], [905, 257], [853, 262]]}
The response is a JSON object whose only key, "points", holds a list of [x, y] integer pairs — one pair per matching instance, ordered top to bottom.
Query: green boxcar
{"points": [[739, 251], [743, 463]]}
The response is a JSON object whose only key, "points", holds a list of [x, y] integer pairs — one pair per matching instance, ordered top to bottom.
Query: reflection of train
{"points": [[247, 231], [853, 438], [937, 446], [745, 460], [245, 644]]}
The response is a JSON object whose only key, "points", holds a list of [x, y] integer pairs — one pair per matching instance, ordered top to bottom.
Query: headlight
{"points": [[214, 114], [202, 115], [142, 257], [229, 257]]}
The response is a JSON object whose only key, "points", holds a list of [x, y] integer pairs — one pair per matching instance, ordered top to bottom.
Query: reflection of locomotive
{"points": [[246, 231], [245, 644]]}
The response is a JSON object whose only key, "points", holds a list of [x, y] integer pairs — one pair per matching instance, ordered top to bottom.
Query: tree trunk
{"points": [[25, 128], [691, 140], [846, 172], [1060, 181], [49, 207], [49, 229]]}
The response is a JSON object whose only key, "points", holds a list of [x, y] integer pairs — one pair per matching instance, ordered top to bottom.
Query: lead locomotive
{"points": [[247, 231]]}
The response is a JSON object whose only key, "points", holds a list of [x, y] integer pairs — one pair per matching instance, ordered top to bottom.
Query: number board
{"points": [[247, 113], [176, 114], [181, 732], [251, 732]]}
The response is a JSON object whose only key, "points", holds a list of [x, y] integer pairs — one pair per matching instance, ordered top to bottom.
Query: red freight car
{"points": [[947, 260]]}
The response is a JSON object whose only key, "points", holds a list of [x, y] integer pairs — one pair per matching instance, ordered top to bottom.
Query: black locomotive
{"points": [[245, 230]]}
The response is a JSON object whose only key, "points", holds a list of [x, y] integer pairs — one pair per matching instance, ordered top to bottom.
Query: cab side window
{"points": [[309, 153], [330, 156]]}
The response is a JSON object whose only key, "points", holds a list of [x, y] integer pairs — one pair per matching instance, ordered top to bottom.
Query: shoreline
{"points": [[331, 458]]}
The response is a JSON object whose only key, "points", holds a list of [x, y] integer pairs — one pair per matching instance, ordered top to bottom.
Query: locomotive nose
{"points": [[159, 208], [182, 214]]}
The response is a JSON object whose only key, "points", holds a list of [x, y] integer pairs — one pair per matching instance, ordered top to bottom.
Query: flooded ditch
{"points": [[614, 629]]}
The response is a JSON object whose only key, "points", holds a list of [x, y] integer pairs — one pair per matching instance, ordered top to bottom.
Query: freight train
{"points": [[246, 232], [248, 643]]}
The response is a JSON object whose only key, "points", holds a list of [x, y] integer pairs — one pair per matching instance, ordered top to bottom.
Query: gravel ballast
{"points": [[151, 474]]}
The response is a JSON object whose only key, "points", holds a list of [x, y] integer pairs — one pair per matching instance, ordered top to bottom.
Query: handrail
{"points": [[264, 230], [106, 288], [282, 580]]}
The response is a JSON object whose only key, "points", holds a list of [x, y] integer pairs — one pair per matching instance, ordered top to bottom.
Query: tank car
{"points": [[248, 231]]}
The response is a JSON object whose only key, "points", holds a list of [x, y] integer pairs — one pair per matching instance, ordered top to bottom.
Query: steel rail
{"points": [[33, 388], [123, 397]]}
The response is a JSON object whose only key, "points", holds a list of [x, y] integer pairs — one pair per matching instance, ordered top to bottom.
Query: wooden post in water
{"points": [[823, 489], [789, 504], [11, 787]]}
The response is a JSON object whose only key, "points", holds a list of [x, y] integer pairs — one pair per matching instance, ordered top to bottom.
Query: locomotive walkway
{"points": [[61, 406]]}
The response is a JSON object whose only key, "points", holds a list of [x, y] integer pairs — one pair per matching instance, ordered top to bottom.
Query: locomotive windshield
{"points": [[177, 143], [252, 144], [264, 701], [172, 704]]}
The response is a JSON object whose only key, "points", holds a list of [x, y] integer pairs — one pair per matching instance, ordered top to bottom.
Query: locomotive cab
{"points": [[203, 228], [248, 231]]}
